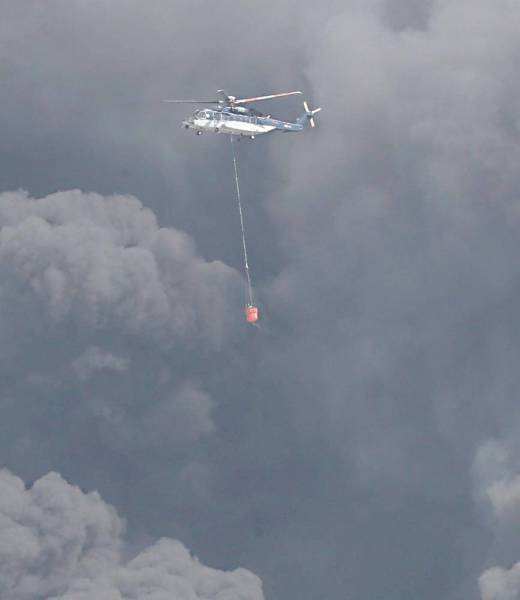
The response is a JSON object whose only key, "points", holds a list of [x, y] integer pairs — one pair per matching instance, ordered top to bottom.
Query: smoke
{"points": [[82, 258], [100, 308], [96, 359], [331, 450], [496, 473], [498, 479], [61, 543], [500, 584]]}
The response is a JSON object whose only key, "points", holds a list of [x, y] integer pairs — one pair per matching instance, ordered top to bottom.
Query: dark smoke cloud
{"points": [[102, 312], [333, 451]]}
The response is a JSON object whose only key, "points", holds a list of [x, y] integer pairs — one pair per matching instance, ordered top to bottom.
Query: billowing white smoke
{"points": [[98, 262], [498, 483], [58, 542], [500, 584]]}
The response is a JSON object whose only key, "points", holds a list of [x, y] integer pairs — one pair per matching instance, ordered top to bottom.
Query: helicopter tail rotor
{"points": [[310, 113]]}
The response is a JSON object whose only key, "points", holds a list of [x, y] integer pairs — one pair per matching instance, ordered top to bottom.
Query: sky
{"points": [[362, 443]]}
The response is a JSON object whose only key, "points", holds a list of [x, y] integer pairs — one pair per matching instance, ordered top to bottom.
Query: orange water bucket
{"points": [[251, 313]]}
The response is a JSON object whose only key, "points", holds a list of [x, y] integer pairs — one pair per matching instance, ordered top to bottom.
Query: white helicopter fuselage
{"points": [[232, 127], [247, 127]]}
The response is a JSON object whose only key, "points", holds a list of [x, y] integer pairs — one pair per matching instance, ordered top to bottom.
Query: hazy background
{"points": [[363, 443]]}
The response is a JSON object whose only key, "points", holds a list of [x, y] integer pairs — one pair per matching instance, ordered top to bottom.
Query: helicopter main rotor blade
{"points": [[224, 95], [256, 98], [192, 101]]}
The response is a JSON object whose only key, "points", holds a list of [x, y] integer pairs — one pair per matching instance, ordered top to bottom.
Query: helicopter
{"points": [[229, 115]]}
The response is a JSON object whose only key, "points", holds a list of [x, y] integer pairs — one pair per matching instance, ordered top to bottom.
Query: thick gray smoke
{"points": [[82, 258], [98, 308], [333, 450], [59, 543]]}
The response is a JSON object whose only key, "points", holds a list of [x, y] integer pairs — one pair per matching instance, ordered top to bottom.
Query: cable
{"points": [[239, 201]]}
